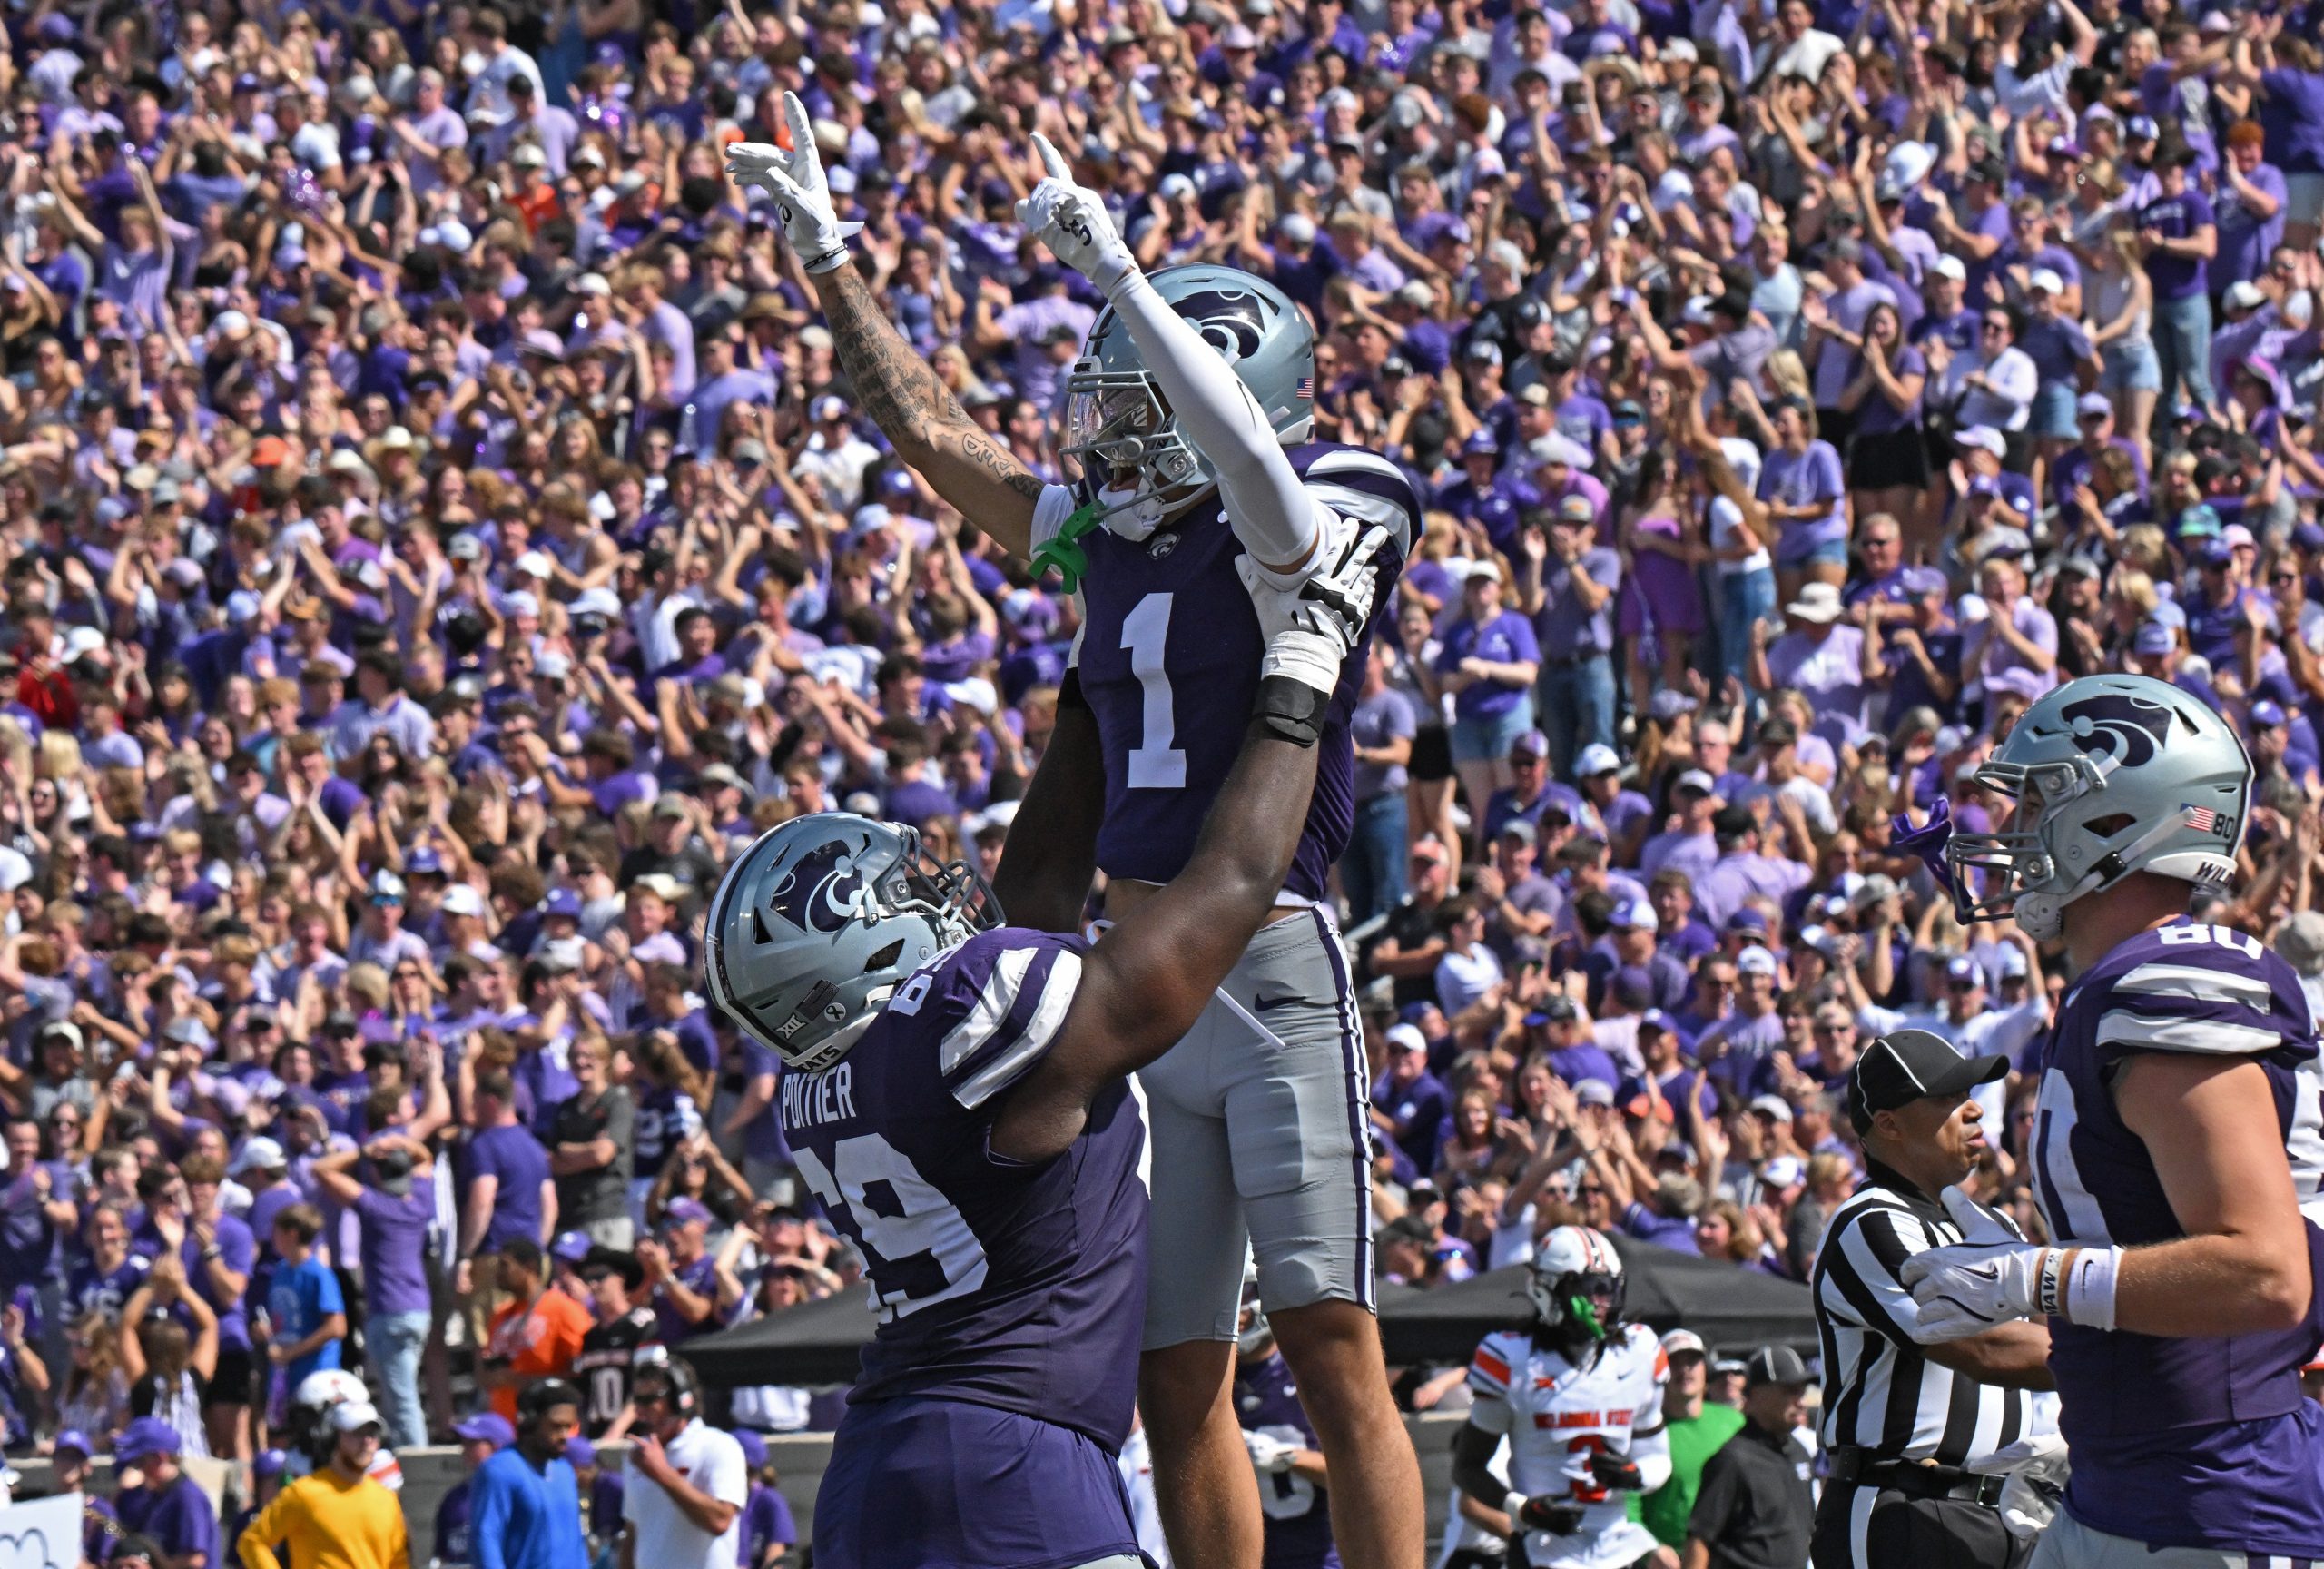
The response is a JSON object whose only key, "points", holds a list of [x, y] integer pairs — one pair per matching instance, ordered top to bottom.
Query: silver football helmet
{"points": [[1118, 425], [2112, 774], [815, 926]]}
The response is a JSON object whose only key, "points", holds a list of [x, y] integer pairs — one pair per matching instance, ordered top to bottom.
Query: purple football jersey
{"points": [[1170, 664], [1021, 1287], [90, 1290], [2195, 1442], [1297, 1516]]}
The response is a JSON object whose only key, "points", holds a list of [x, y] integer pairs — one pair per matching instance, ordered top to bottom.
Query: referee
{"points": [[1904, 1424]]}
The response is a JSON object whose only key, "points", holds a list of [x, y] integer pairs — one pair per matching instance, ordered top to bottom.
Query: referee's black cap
{"points": [[1910, 1065], [1776, 1365]]}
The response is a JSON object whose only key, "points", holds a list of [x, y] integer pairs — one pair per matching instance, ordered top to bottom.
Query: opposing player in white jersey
{"points": [[1579, 1397]]}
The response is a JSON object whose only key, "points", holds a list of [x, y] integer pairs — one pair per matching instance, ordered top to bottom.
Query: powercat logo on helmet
{"points": [[1231, 320], [2130, 730], [823, 890]]}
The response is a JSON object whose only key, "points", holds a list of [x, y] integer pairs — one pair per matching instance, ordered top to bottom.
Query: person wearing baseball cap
{"points": [[1912, 1099], [1412, 1101], [537, 1331], [1699, 1429], [481, 1437], [166, 1504], [1755, 1504], [337, 1514]]}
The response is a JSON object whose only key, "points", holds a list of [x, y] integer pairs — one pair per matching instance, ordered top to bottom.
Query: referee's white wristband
{"points": [[1514, 1505]]}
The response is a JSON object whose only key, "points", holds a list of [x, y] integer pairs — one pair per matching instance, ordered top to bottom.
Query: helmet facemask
{"points": [[1119, 432], [2075, 847], [953, 894], [1580, 1310]]}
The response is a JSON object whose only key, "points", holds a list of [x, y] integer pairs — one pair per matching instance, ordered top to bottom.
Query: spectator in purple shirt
{"points": [[2179, 235], [1409, 1104], [507, 1190], [397, 1208], [690, 1292], [166, 1505]]}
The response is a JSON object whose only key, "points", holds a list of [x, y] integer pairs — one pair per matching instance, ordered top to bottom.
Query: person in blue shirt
{"points": [[303, 1300], [481, 1437], [524, 1510]]}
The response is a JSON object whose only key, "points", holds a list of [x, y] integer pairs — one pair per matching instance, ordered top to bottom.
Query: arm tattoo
{"points": [[899, 391], [903, 395]]}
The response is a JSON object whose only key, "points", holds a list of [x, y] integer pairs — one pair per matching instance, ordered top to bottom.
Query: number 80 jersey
{"points": [[1169, 663], [998, 1284], [1555, 1414], [2196, 1441]]}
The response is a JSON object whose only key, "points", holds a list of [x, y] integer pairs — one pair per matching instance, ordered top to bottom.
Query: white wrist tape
{"points": [[2087, 1289]]}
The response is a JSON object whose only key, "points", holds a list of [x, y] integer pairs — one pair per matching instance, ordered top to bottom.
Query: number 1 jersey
{"points": [[1169, 663], [1017, 1287]]}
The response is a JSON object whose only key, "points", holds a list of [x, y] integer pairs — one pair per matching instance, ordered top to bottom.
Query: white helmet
{"points": [[2112, 774], [1576, 1284], [321, 1391], [309, 1433]]}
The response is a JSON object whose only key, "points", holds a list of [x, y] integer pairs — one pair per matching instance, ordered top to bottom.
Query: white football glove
{"points": [[795, 180], [1073, 222], [1311, 630], [1989, 1277], [1269, 1456]]}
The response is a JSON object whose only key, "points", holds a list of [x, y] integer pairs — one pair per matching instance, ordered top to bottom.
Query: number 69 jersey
{"points": [[997, 1284], [1555, 1416], [2177, 1441]]}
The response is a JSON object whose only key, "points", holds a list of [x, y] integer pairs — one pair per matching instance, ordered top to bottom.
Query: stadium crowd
{"points": [[437, 534]]}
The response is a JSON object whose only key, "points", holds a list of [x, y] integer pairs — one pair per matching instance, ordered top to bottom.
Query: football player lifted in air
{"points": [[1189, 416], [957, 1097], [2180, 1278], [1579, 1397]]}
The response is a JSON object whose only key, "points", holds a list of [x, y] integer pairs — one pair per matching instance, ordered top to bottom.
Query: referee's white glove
{"points": [[1990, 1277]]}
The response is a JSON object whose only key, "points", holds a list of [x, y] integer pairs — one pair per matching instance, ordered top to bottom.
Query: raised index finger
{"points": [[796, 122], [1053, 161]]}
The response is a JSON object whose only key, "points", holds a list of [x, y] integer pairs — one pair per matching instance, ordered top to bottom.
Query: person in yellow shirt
{"points": [[337, 1517]]}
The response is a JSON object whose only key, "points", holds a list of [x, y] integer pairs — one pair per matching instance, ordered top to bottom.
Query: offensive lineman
{"points": [[1189, 412], [957, 1099], [2180, 1281], [1579, 1397]]}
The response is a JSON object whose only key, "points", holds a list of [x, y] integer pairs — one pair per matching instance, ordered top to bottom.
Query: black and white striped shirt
{"points": [[1880, 1392]]}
